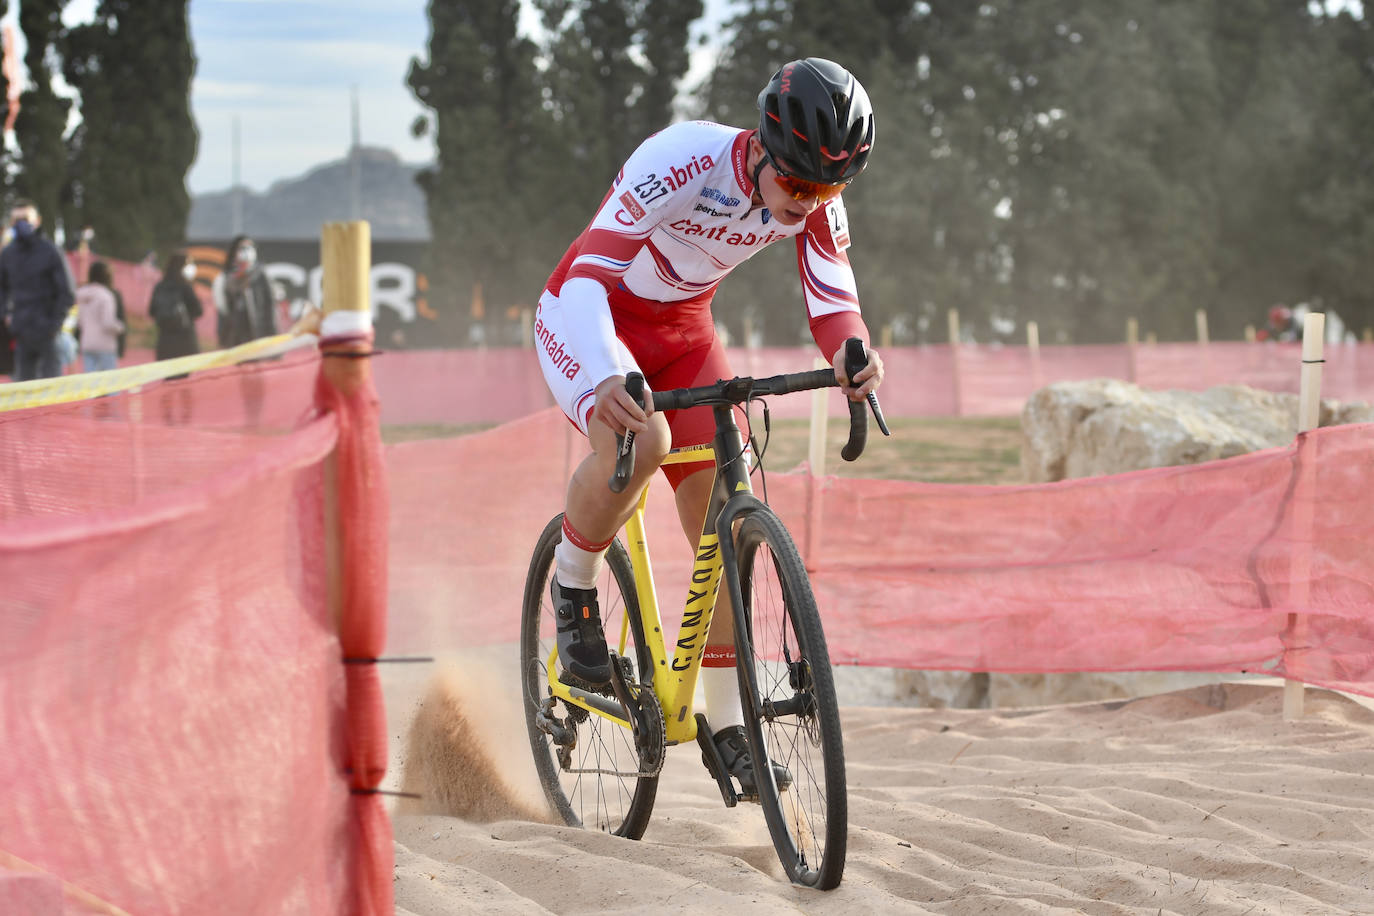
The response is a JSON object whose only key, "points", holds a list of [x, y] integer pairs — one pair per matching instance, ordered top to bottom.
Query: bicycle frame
{"points": [[674, 679]]}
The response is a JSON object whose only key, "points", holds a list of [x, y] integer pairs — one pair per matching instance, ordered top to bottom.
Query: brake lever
{"points": [[855, 359], [625, 443]]}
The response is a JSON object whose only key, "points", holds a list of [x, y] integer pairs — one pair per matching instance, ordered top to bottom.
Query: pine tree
{"points": [[132, 65], [42, 119]]}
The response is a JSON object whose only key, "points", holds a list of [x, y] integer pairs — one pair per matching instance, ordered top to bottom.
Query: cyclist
{"points": [[633, 293]]}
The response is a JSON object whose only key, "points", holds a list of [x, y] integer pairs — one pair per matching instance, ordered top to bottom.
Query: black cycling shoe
{"points": [[581, 640], [734, 751]]}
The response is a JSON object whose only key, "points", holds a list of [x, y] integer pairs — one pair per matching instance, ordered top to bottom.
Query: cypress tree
{"points": [[132, 65], [4, 105], [42, 119], [488, 186]]}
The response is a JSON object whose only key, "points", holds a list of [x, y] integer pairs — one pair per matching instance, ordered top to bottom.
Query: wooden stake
{"points": [[346, 263], [1202, 326], [1250, 335], [1132, 345], [1033, 346], [954, 362], [1309, 416]]}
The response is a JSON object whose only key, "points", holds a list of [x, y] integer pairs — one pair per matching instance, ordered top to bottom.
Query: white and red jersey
{"points": [[678, 219]]}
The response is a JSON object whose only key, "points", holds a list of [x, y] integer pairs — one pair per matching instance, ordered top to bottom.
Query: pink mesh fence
{"points": [[500, 384], [1257, 563], [181, 733]]}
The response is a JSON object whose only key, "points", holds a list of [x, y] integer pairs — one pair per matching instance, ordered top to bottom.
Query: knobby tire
{"points": [[794, 720], [616, 804]]}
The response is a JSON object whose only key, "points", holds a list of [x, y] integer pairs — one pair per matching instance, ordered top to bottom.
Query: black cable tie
{"points": [[352, 354], [1314, 361], [360, 660], [385, 792]]}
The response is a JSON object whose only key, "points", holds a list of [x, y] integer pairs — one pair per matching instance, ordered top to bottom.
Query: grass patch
{"points": [[413, 431], [974, 450]]}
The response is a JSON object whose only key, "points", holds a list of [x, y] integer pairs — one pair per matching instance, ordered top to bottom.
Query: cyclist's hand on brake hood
{"points": [[863, 382], [618, 410]]}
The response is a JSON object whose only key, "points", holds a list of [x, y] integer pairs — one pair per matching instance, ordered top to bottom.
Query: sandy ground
{"points": [[1195, 801]]}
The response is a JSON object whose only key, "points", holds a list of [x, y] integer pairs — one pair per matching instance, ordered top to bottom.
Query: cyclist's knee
{"points": [[655, 442]]}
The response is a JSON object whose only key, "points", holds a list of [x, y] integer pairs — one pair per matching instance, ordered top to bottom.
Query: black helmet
{"points": [[816, 121]]}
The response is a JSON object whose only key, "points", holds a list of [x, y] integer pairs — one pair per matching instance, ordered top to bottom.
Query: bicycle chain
{"points": [[661, 742]]}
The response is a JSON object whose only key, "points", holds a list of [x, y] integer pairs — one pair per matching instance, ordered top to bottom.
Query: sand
{"points": [[1195, 801]]}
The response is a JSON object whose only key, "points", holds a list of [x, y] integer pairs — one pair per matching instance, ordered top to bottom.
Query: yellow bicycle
{"points": [[599, 753]]}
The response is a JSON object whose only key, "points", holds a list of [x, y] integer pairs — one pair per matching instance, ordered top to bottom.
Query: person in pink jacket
{"points": [[98, 320]]}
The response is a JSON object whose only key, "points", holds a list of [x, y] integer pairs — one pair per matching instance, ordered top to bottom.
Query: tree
{"points": [[132, 65], [4, 105], [42, 121], [528, 142], [490, 179]]}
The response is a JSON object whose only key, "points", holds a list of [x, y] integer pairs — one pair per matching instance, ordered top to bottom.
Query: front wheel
{"points": [[791, 714], [591, 770]]}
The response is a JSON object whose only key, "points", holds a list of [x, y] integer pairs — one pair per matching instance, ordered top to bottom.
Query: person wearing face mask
{"points": [[36, 292], [243, 296], [175, 307]]}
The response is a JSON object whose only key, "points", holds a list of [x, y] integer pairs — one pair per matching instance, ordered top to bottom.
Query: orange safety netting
{"points": [[1258, 563], [181, 733]]}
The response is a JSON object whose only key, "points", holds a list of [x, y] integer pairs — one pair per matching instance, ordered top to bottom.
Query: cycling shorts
{"points": [[670, 354]]}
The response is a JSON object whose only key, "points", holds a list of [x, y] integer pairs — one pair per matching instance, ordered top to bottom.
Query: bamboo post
{"points": [[346, 264], [1201, 316], [527, 327], [1250, 335], [885, 337], [1033, 346], [1132, 346], [954, 362], [1309, 416], [815, 467], [356, 552]]}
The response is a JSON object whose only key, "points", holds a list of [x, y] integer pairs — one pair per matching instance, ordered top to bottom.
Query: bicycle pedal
{"points": [[715, 764]]}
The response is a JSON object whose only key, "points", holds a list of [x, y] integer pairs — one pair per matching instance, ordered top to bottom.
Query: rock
{"points": [[1106, 426]]}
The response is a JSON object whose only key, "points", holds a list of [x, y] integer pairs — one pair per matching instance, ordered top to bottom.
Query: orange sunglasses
{"points": [[799, 188]]}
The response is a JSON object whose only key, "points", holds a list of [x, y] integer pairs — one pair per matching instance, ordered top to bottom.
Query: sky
{"points": [[286, 70]]}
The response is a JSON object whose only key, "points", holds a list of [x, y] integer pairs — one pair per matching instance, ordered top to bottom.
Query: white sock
{"points": [[579, 560], [720, 683]]}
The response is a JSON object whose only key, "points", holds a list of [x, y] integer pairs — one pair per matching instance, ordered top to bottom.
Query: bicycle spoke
{"points": [[598, 781]]}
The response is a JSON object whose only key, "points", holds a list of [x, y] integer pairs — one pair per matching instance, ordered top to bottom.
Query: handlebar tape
{"points": [[855, 360]]}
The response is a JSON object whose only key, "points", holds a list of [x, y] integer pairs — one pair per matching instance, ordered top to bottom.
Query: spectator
{"points": [[35, 294], [243, 296], [174, 308], [98, 321], [1283, 325]]}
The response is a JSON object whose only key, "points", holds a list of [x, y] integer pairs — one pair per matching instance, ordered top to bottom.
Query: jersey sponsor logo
{"points": [[653, 185], [720, 197], [632, 207], [702, 208], [766, 215], [838, 221], [723, 233], [562, 360]]}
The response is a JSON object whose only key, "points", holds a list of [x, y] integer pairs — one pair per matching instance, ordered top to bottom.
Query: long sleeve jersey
{"points": [[678, 220]]}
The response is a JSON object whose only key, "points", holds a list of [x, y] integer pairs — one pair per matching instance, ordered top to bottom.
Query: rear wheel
{"points": [[791, 714], [588, 765]]}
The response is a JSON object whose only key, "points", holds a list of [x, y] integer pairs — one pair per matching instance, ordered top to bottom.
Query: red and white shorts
{"points": [[682, 354]]}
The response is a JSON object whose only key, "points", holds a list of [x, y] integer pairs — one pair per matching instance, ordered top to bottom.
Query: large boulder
{"points": [[1106, 426]]}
